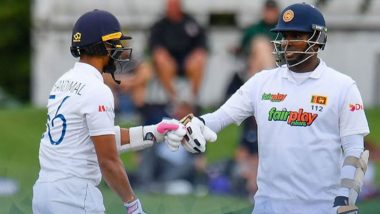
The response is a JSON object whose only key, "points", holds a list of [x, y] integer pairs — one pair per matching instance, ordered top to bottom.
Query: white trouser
{"points": [[67, 196], [276, 206]]}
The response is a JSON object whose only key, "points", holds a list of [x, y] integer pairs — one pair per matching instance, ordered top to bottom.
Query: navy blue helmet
{"points": [[300, 17], [304, 18], [93, 30], [98, 33]]}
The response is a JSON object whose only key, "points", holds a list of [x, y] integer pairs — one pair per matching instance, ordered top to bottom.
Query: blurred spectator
{"points": [[270, 15], [177, 45], [255, 49], [260, 56], [130, 93], [245, 163], [235, 176], [238, 176]]}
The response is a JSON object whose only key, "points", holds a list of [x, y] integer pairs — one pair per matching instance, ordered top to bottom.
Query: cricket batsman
{"points": [[311, 124], [81, 142]]}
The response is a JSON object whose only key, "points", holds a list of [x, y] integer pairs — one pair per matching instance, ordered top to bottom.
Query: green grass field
{"points": [[19, 140]]}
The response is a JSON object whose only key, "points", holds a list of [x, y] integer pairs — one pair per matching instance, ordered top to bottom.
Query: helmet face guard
{"points": [[318, 38], [118, 50], [119, 53]]}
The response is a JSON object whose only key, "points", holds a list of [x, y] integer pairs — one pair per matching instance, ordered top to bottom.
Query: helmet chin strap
{"points": [[305, 52], [301, 61], [111, 68]]}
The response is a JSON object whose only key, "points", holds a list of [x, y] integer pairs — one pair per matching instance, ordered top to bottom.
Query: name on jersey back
{"points": [[68, 86]]}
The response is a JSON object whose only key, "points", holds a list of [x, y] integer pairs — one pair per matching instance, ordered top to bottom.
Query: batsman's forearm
{"points": [[124, 135], [115, 176]]}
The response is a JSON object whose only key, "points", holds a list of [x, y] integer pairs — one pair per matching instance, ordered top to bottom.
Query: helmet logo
{"points": [[288, 16], [76, 37]]}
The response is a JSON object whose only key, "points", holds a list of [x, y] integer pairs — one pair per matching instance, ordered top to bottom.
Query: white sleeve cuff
{"points": [[118, 138]]}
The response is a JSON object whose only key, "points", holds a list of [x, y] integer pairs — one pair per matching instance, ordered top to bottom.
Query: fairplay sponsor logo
{"points": [[274, 97], [356, 107], [293, 118]]}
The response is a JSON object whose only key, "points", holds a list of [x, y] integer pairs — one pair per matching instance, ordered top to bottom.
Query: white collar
{"points": [[89, 69], [316, 74]]}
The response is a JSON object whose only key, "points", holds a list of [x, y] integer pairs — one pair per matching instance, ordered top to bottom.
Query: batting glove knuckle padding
{"points": [[172, 132], [197, 134]]}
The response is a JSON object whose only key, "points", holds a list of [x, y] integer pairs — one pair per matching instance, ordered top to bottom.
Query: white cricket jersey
{"points": [[80, 105], [300, 126]]}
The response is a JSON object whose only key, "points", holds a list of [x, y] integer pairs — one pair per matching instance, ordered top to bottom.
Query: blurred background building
{"points": [[353, 47]]}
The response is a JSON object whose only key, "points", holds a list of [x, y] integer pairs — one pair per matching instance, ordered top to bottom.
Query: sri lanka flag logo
{"points": [[321, 100]]}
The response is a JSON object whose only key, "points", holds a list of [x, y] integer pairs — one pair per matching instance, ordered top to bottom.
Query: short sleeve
{"points": [[98, 110], [352, 116]]}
